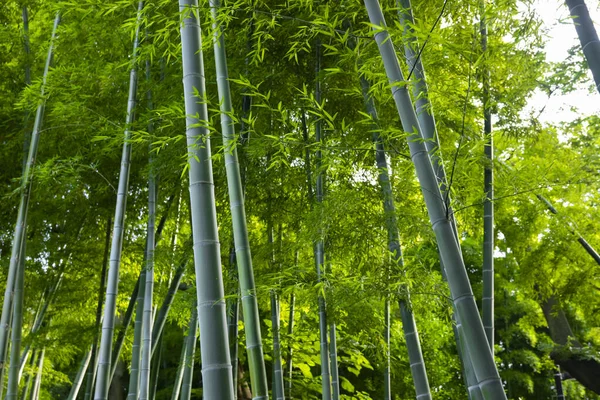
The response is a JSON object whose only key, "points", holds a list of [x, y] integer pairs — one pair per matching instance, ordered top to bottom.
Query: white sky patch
{"points": [[561, 37]]}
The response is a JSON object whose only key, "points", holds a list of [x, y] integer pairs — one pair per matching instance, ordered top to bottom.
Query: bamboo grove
{"points": [[296, 199]]}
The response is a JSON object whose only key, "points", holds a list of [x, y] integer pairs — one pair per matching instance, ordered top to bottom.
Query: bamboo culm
{"points": [[588, 37], [429, 133], [20, 227], [319, 247], [460, 287], [487, 299], [233, 310], [290, 332], [411, 335], [190, 344], [214, 344], [136, 353], [146, 353], [256, 363], [93, 366], [180, 369], [80, 375], [104, 375], [38, 378], [387, 384], [12, 391], [278, 392]]}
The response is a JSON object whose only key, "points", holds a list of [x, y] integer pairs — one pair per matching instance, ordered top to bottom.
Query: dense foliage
{"points": [[544, 277]]}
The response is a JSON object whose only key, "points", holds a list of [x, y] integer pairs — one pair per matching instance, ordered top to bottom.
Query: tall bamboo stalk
{"points": [[588, 38], [425, 116], [27, 137], [319, 246], [17, 251], [149, 284], [112, 286], [460, 288], [487, 299], [233, 311], [290, 332], [411, 334], [214, 346], [136, 356], [256, 364], [93, 366], [180, 370], [188, 370], [80, 374], [29, 382], [12, 391], [278, 392], [35, 395]]}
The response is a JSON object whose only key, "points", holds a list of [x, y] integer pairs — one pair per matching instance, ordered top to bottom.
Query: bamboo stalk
{"points": [[588, 37], [20, 227], [149, 284], [112, 287], [460, 288], [190, 343], [214, 346], [256, 363], [180, 370], [80, 375], [278, 392]]}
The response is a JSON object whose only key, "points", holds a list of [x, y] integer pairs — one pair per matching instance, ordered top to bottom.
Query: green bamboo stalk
{"points": [[588, 38], [427, 123], [27, 137], [488, 188], [20, 227], [319, 247], [149, 284], [460, 288], [233, 310], [163, 311], [290, 332], [411, 335], [190, 344], [214, 346], [136, 353], [256, 363], [93, 366], [155, 369], [80, 374], [104, 375], [179, 375], [335, 379], [28, 383], [387, 383], [12, 390], [278, 392], [35, 395]]}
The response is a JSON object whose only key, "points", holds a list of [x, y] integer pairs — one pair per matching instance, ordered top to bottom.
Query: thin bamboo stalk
{"points": [[20, 226], [319, 247], [149, 284], [112, 287], [460, 288], [487, 299], [233, 310], [290, 332], [411, 335], [190, 343], [214, 346], [136, 351], [256, 363], [92, 368], [80, 375], [179, 375], [387, 382], [37, 386], [27, 387], [12, 390], [278, 392]]}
